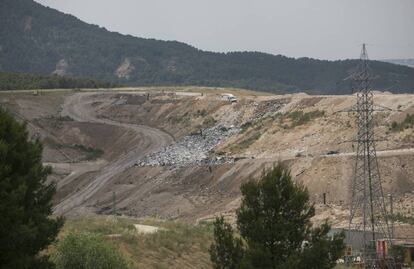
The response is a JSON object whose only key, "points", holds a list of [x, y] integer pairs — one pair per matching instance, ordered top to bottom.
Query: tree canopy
{"points": [[22, 81], [25, 199], [275, 229]]}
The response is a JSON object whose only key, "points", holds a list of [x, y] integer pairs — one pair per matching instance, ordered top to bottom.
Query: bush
{"points": [[300, 117], [209, 121], [408, 122], [90, 153], [87, 251]]}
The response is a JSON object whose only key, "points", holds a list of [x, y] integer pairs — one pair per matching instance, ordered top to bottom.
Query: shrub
{"points": [[300, 117], [209, 121], [408, 122], [87, 251]]}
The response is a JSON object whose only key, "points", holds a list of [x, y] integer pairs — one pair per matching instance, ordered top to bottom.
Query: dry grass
{"points": [[179, 245]]}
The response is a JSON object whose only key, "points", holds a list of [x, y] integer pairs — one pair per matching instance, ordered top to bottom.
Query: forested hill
{"points": [[37, 39], [22, 81]]}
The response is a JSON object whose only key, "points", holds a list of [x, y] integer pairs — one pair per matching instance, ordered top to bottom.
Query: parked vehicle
{"points": [[229, 97]]}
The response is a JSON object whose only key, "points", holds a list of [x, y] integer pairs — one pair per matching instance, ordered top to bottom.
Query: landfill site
{"points": [[182, 153]]}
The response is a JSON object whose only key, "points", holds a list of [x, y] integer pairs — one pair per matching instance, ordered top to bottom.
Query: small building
{"points": [[354, 239], [354, 244], [408, 253]]}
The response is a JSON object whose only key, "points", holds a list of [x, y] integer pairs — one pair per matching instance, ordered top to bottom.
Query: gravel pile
{"points": [[192, 149]]}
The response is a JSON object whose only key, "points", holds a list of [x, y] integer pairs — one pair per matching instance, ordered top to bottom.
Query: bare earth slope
{"points": [[78, 107], [174, 154]]}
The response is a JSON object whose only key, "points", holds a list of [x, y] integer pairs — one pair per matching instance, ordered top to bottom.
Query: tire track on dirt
{"points": [[80, 107]]}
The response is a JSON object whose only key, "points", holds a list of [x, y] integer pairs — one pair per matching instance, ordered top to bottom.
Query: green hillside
{"points": [[37, 39], [22, 81]]}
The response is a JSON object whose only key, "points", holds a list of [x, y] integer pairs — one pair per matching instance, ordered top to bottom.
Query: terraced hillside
{"points": [[182, 153]]}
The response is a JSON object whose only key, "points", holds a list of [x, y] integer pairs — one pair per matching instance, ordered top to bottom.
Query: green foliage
{"points": [[34, 39], [21, 81], [200, 113], [300, 117], [209, 121], [408, 122], [245, 126], [245, 143], [91, 153], [25, 199], [403, 218], [274, 222], [175, 243], [87, 251], [227, 251], [398, 253]]}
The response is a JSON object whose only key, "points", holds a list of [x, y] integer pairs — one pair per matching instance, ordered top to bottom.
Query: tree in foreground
{"points": [[25, 199], [275, 229], [227, 250], [87, 251]]}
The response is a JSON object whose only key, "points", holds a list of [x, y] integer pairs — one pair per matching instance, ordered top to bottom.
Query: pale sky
{"points": [[324, 29]]}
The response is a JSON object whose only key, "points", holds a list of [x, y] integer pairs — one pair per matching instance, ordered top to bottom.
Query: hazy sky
{"points": [[325, 29]]}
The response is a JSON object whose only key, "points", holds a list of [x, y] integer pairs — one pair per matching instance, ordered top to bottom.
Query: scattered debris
{"points": [[192, 149], [146, 229]]}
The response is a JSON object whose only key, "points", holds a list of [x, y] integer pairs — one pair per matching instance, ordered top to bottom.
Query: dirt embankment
{"points": [[271, 130], [308, 133]]}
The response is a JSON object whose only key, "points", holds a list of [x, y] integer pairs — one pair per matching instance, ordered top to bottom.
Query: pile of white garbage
{"points": [[192, 149]]}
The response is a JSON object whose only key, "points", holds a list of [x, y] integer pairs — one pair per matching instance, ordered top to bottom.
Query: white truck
{"points": [[229, 97]]}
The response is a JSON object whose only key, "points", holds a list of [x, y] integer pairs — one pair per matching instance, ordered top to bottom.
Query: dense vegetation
{"points": [[36, 39], [22, 81], [408, 122], [25, 199], [274, 228], [177, 245], [87, 251]]}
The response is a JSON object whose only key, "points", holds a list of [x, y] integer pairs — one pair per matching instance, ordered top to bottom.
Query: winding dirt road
{"points": [[80, 107]]}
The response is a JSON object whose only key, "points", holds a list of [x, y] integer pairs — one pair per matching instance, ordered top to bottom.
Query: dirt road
{"points": [[80, 107], [390, 152]]}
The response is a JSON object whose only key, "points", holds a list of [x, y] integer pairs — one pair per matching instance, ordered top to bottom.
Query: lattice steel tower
{"points": [[368, 215]]}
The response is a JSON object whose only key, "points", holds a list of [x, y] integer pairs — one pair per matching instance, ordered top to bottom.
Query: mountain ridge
{"points": [[38, 39], [407, 62]]}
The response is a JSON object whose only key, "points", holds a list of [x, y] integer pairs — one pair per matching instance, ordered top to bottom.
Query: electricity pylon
{"points": [[368, 220]]}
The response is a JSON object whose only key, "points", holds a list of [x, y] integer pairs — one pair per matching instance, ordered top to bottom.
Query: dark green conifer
{"points": [[26, 227]]}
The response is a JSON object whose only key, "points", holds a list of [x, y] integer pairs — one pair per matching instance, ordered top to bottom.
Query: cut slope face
{"points": [[142, 135]]}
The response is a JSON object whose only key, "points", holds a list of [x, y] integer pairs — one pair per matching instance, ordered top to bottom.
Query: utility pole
{"points": [[368, 214], [392, 214]]}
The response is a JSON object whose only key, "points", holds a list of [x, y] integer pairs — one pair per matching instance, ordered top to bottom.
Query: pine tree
{"points": [[274, 222], [26, 227], [227, 251]]}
